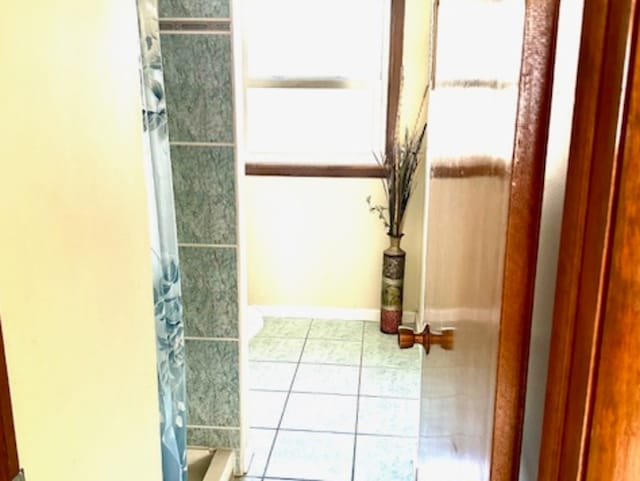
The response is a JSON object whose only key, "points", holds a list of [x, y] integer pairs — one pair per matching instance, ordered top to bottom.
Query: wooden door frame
{"points": [[596, 154], [523, 225], [613, 443], [9, 465]]}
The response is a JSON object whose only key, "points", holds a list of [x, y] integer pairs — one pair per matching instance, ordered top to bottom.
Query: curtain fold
{"points": [[164, 250]]}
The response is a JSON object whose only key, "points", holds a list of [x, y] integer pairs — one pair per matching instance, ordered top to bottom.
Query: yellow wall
{"points": [[415, 60], [312, 242], [75, 275]]}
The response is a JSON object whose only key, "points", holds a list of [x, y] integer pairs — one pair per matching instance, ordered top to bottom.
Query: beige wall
{"points": [[415, 61], [312, 242], [75, 275]]}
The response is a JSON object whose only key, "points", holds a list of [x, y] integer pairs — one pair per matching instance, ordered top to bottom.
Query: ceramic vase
{"points": [[393, 262]]}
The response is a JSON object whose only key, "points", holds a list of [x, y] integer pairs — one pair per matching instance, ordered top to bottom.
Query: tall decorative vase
{"points": [[392, 286]]}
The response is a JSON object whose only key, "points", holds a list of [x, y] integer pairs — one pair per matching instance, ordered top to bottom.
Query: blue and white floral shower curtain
{"points": [[164, 250]]}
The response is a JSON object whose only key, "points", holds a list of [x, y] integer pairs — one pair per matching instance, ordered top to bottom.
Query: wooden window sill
{"points": [[296, 170]]}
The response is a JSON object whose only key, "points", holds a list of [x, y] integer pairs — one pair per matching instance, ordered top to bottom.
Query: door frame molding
{"points": [[599, 127], [523, 225], [9, 466]]}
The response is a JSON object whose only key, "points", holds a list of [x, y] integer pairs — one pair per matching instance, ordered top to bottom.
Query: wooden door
{"points": [[484, 201], [592, 411], [8, 452]]}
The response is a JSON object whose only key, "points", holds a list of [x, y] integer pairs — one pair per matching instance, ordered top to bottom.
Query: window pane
{"points": [[315, 39], [309, 125]]}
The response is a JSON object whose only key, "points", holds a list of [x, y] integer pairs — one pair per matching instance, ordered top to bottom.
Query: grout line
{"points": [[194, 19], [191, 32], [178, 143], [222, 246], [260, 336], [310, 338], [225, 339], [275, 362], [314, 363], [328, 364], [268, 390], [313, 393], [353, 394], [368, 396], [400, 398], [286, 402], [218, 428], [324, 431], [355, 436], [269, 478]]}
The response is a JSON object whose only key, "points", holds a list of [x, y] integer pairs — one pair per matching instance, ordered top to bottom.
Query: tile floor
{"points": [[331, 400]]}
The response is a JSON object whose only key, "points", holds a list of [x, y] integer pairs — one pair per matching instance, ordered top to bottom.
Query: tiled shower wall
{"points": [[199, 89]]}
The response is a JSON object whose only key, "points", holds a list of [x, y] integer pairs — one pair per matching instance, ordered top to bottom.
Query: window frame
{"points": [[396, 38]]}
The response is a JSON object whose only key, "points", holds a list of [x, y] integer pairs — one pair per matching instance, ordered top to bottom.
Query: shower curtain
{"points": [[164, 250]]}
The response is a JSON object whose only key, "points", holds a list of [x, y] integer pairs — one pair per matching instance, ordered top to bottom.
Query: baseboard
{"points": [[322, 312]]}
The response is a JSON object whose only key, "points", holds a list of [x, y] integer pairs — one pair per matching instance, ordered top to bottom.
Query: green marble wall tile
{"points": [[194, 8], [198, 83], [205, 193], [209, 291], [212, 383], [213, 438]]}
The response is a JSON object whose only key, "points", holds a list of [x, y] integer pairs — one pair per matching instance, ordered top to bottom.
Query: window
{"points": [[315, 80]]}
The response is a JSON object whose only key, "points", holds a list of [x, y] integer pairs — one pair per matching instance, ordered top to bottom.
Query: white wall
{"points": [[551, 223], [312, 241], [75, 274]]}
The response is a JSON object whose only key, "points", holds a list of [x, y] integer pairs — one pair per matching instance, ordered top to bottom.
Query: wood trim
{"points": [[396, 42], [484, 168], [298, 170], [523, 223], [585, 241], [614, 437], [9, 465]]}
